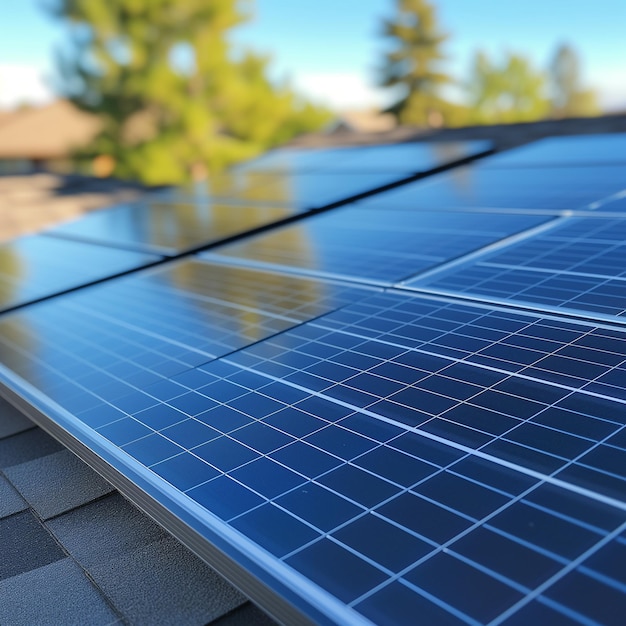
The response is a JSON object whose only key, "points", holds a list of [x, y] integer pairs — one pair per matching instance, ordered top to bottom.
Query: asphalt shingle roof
{"points": [[74, 551]]}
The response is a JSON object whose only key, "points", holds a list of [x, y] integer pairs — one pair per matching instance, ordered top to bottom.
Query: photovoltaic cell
{"points": [[590, 150], [481, 188], [169, 229], [377, 246], [577, 265], [38, 266], [491, 482]]}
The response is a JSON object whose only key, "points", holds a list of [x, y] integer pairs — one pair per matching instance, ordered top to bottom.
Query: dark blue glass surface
{"points": [[595, 150], [410, 157], [535, 189], [295, 190], [168, 228], [379, 246], [37, 266]]}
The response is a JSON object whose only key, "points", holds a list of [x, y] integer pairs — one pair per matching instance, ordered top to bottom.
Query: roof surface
{"points": [[47, 132], [76, 552]]}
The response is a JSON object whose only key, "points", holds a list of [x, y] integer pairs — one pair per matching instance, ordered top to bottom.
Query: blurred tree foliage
{"points": [[413, 64], [504, 92], [568, 96], [176, 101]]}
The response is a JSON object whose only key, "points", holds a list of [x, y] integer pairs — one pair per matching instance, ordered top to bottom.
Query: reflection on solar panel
{"points": [[407, 157], [312, 179], [481, 188], [301, 191], [169, 229], [376, 246], [578, 265], [37, 267], [137, 330], [346, 453]]}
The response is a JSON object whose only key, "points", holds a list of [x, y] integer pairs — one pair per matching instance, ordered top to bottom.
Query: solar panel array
{"points": [[409, 407]]}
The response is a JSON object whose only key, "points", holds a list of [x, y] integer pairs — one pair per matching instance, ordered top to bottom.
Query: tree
{"points": [[413, 63], [505, 92], [568, 97], [175, 99]]}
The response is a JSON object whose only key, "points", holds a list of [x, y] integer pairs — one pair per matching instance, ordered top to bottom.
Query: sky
{"points": [[330, 49]]}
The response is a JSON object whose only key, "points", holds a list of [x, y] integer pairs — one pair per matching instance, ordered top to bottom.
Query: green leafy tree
{"points": [[413, 64], [505, 92], [568, 96], [176, 101]]}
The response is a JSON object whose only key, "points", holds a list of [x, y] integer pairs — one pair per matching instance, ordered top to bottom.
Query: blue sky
{"points": [[330, 48]]}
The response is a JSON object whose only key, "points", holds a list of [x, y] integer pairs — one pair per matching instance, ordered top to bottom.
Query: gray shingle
{"points": [[11, 420], [26, 446], [57, 483], [10, 501], [104, 530], [25, 545], [163, 583], [58, 593]]}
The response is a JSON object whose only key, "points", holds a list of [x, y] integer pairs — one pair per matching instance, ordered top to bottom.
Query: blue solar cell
{"points": [[374, 246], [277, 531], [350, 576], [473, 593], [591, 598]]}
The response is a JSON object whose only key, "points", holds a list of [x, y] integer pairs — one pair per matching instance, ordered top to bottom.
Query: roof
{"points": [[47, 132], [30, 203], [76, 552]]}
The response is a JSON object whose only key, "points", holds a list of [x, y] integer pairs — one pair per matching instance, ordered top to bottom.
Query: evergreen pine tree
{"points": [[413, 63], [568, 96]]}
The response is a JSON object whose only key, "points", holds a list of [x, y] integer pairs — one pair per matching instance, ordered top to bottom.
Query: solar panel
{"points": [[595, 150], [413, 157], [310, 179], [533, 189], [297, 190], [615, 203], [169, 228], [374, 246], [576, 265], [36, 267], [134, 331], [308, 453], [348, 454]]}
